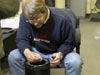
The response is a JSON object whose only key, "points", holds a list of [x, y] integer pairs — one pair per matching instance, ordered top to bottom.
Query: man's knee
{"points": [[13, 55], [73, 60], [76, 63]]}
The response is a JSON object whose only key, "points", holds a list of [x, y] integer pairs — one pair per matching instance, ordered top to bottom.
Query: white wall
{"points": [[78, 7]]}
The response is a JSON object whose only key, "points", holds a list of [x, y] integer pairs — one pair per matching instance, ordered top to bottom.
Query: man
{"points": [[44, 34]]}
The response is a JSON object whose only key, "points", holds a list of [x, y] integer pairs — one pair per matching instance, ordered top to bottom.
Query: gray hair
{"points": [[33, 7]]}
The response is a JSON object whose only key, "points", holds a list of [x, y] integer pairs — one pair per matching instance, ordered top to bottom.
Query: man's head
{"points": [[35, 11]]}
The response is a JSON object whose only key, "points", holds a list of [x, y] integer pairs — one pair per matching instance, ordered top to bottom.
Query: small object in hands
{"points": [[53, 57]]}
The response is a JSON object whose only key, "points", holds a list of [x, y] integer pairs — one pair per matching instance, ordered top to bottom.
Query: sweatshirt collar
{"points": [[47, 15]]}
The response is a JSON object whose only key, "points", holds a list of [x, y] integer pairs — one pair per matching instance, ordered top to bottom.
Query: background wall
{"points": [[90, 6], [78, 7]]}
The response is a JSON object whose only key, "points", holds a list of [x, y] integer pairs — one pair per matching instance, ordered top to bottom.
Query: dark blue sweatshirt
{"points": [[56, 35]]}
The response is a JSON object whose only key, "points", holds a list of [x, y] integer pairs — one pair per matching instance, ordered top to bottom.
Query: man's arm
{"points": [[23, 35], [68, 39], [23, 41], [67, 44]]}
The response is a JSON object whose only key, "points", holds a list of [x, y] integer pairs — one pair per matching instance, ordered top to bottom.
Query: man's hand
{"points": [[32, 56], [56, 57]]}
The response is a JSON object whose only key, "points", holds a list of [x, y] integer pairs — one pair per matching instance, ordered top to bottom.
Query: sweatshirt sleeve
{"points": [[23, 35], [67, 35]]}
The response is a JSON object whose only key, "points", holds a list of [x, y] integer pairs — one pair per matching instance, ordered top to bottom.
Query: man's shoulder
{"points": [[55, 10], [62, 12], [22, 17]]}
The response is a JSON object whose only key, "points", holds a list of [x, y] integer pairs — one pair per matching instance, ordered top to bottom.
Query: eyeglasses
{"points": [[36, 15], [35, 19]]}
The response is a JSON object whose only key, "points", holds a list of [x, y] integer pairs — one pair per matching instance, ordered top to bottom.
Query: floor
{"points": [[90, 46]]}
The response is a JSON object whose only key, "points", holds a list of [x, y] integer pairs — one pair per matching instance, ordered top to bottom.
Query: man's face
{"points": [[35, 12], [38, 20]]}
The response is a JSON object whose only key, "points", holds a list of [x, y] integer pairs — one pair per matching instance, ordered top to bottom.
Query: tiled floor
{"points": [[90, 47]]}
